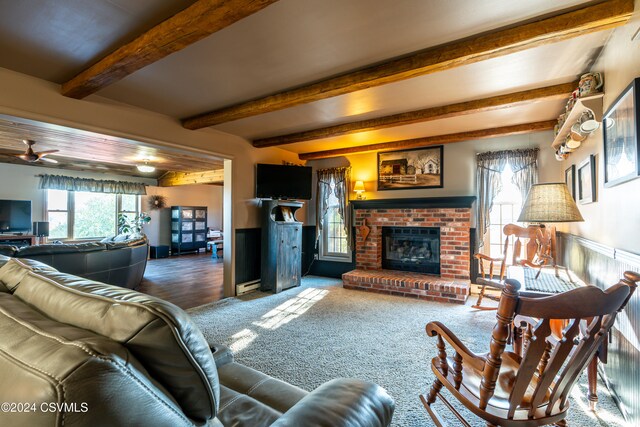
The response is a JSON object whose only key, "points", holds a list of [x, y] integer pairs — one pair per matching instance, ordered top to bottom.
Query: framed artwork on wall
{"points": [[621, 126], [411, 169], [570, 180], [586, 180]]}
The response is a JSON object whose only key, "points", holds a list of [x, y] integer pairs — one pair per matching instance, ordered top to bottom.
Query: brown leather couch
{"points": [[120, 263], [75, 352]]}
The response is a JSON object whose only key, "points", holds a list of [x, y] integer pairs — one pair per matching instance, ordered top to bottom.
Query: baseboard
{"points": [[247, 287]]}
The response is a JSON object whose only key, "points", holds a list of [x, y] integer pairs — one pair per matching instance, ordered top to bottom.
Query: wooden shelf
{"points": [[591, 103]]}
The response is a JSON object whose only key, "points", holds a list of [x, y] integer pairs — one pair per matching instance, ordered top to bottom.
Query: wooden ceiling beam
{"points": [[194, 23], [573, 23], [435, 113], [432, 140], [172, 179]]}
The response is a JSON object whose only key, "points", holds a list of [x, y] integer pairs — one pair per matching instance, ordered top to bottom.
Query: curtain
{"points": [[524, 164], [59, 182], [342, 183]]}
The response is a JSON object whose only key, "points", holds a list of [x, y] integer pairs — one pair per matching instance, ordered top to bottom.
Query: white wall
{"points": [[459, 167], [18, 182], [614, 219], [158, 230]]}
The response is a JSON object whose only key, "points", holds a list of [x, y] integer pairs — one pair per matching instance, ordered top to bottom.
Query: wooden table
{"points": [[13, 239], [213, 244], [548, 284]]}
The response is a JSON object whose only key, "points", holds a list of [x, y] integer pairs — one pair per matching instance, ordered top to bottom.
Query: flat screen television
{"points": [[283, 182], [15, 216]]}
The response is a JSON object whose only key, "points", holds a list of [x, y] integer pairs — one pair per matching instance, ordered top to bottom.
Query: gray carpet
{"points": [[320, 331]]}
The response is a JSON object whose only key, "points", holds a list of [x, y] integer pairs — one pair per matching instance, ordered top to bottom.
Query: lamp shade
{"points": [[359, 186], [550, 202]]}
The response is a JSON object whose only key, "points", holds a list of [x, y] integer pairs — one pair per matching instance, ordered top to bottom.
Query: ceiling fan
{"points": [[31, 156]]}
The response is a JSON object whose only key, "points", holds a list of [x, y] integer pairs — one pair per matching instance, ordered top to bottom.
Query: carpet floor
{"points": [[319, 331]]}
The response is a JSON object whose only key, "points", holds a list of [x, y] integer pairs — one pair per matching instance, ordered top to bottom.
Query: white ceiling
{"points": [[294, 42]]}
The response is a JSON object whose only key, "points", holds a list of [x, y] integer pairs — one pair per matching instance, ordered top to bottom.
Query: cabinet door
{"points": [[288, 256]]}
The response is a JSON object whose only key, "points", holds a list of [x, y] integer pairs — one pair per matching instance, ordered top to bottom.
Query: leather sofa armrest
{"points": [[221, 354], [341, 402]]}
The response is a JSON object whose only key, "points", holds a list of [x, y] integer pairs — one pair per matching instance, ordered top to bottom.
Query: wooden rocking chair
{"points": [[540, 252], [506, 389]]}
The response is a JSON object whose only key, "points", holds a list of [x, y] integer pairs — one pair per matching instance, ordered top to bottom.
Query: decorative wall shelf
{"points": [[591, 103]]}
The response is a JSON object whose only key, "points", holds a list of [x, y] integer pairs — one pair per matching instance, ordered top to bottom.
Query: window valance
{"points": [[68, 183]]}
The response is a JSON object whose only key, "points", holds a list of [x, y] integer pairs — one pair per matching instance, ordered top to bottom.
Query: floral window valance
{"points": [[68, 183]]}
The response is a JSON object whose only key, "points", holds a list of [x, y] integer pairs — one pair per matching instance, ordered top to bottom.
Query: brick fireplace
{"points": [[450, 216]]}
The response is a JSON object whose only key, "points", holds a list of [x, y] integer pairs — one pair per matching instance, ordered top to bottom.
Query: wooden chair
{"points": [[518, 234], [540, 252], [507, 389]]}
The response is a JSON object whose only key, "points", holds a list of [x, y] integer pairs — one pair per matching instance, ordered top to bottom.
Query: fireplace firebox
{"points": [[414, 249]]}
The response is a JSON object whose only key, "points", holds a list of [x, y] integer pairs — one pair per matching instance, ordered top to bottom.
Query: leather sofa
{"points": [[120, 263], [110, 356]]}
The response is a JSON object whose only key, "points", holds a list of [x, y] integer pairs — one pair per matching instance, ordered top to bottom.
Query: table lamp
{"points": [[358, 188], [549, 202]]}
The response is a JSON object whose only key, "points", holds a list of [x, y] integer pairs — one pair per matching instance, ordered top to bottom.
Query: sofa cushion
{"points": [[127, 243], [60, 249], [8, 250], [4, 259], [12, 273], [160, 335], [48, 361], [249, 397]]}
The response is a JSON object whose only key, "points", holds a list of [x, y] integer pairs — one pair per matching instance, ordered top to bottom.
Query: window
{"points": [[506, 210], [85, 215], [333, 245]]}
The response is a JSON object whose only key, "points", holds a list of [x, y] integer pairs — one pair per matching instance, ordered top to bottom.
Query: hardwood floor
{"points": [[186, 280]]}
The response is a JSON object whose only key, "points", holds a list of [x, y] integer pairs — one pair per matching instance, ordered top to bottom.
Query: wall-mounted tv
{"points": [[283, 182], [15, 216]]}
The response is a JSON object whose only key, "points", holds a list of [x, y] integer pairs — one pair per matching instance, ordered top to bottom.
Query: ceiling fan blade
{"points": [[44, 153], [22, 156], [45, 159]]}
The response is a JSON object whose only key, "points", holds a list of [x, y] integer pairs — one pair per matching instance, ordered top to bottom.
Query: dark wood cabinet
{"points": [[188, 229], [15, 240], [281, 245]]}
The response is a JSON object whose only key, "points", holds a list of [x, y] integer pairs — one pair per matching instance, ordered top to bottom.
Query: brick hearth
{"points": [[453, 283], [412, 285]]}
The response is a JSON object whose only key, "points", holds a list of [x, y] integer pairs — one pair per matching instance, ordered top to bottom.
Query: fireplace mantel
{"points": [[415, 203]]}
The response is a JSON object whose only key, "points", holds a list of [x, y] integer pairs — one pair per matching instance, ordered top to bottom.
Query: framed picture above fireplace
{"points": [[411, 169]]}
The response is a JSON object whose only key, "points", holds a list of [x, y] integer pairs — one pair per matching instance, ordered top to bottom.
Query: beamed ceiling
{"points": [[317, 77], [95, 152]]}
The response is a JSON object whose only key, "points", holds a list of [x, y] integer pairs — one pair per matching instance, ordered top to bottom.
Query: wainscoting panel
{"points": [[248, 246], [603, 266], [318, 267]]}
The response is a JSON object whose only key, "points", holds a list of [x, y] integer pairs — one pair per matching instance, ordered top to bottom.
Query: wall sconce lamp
{"points": [[358, 188]]}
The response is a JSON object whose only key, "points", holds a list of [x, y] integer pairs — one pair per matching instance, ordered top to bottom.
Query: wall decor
{"points": [[620, 135], [411, 169], [570, 180], [587, 180], [156, 201]]}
